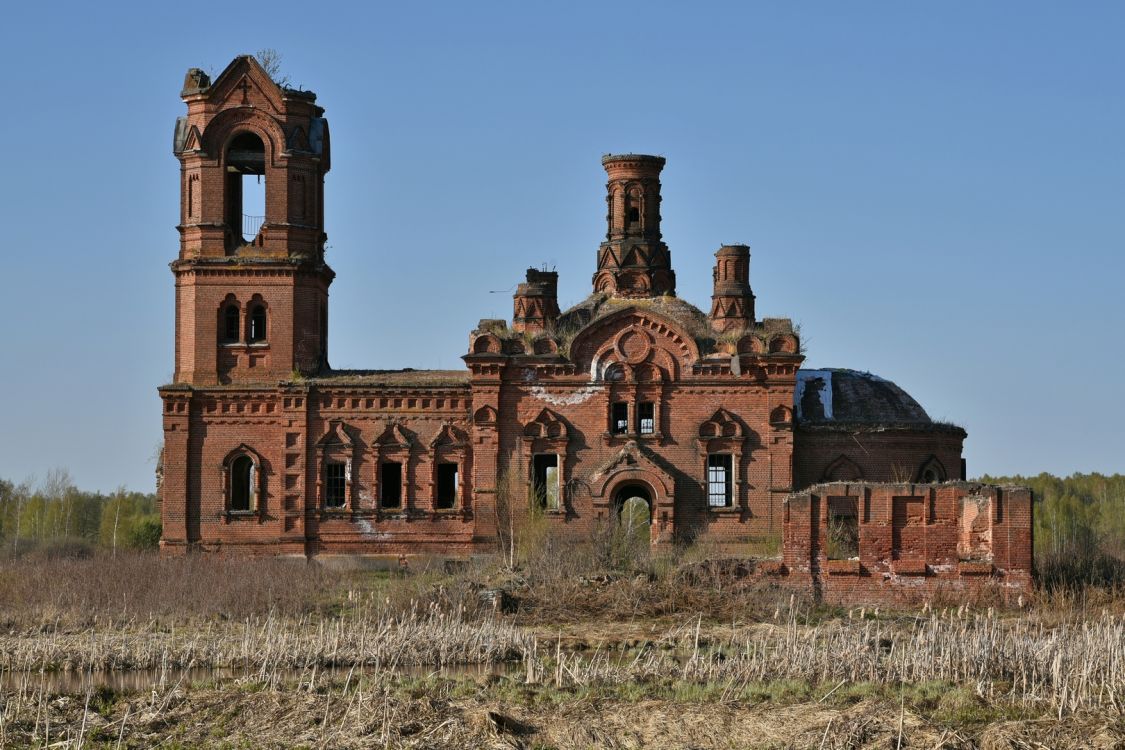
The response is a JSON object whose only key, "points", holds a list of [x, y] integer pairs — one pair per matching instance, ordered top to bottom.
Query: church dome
{"points": [[837, 396]]}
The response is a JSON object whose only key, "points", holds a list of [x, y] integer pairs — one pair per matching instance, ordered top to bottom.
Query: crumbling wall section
{"points": [[916, 542]]}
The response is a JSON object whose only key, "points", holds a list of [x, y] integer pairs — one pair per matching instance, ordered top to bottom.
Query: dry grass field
{"points": [[570, 648]]}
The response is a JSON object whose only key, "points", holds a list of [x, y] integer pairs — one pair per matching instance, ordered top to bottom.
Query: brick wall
{"points": [[915, 542]]}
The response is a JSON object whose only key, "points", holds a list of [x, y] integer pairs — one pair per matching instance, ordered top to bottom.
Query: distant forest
{"points": [[55, 517], [1079, 527]]}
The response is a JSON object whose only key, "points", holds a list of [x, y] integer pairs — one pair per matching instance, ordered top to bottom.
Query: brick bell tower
{"points": [[633, 261], [251, 281]]}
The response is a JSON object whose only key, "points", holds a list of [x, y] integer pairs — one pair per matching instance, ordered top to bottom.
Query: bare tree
{"points": [[270, 60]]}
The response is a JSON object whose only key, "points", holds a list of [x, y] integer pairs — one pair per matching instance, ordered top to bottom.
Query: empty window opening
{"points": [[246, 187], [230, 323], [257, 324], [646, 416], [620, 419], [930, 476], [719, 480], [545, 481], [241, 483], [390, 484], [335, 485], [446, 486], [843, 528]]}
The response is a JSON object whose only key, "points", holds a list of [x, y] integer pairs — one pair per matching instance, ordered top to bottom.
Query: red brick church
{"points": [[631, 396]]}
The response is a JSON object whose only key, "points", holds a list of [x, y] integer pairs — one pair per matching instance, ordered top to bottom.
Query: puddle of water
{"points": [[143, 680]]}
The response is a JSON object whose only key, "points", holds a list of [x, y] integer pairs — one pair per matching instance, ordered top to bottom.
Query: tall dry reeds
{"points": [[75, 591], [1024, 660]]}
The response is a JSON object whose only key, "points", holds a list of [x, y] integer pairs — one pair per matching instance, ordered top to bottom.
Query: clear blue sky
{"points": [[935, 192]]}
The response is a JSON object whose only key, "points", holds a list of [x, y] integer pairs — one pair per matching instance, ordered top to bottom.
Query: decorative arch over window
{"points": [[256, 321], [632, 335], [488, 344], [751, 344], [784, 344], [545, 345], [618, 373], [648, 373], [485, 415], [781, 415], [722, 424], [547, 426], [721, 441], [546, 444], [448, 450], [336, 451], [394, 468], [842, 469], [931, 471], [242, 481]]}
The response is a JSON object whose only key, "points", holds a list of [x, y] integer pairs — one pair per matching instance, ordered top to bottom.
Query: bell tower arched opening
{"points": [[245, 188]]}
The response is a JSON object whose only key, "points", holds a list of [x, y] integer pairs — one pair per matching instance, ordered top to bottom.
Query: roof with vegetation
{"points": [[689, 317], [406, 377]]}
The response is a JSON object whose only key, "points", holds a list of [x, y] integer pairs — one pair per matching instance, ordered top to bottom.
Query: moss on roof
{"points": [[405, 377]]}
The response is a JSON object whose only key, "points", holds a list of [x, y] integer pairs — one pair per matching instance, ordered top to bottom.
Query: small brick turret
{"points": [[633, 261], [536, 302], [732, 302]]}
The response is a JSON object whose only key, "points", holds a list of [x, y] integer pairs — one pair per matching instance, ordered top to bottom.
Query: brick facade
{"points": [[633, 392]]}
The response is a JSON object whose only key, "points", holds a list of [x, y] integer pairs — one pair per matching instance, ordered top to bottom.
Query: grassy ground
{"points": [[581, 648]]}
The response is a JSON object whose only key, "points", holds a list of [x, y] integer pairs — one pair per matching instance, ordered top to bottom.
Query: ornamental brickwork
{"points": [[633, 396]]}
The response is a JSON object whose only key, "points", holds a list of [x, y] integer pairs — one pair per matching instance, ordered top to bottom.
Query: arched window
{"points": [[246, 190], [230, 323], [257, 330], [932, 471], [243, 481]]}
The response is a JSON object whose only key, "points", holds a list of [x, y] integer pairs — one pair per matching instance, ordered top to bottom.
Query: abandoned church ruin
{"points": [[633, 398]]}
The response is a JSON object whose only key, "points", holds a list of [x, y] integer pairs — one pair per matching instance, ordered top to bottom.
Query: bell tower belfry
{"points": [[634, 261], [251, 281]]}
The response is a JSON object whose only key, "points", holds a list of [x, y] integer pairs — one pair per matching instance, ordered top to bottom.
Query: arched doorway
{"points": [[632, 511]]}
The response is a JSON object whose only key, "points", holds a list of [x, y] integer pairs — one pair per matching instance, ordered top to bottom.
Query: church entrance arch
{"points": [[632, 511]]}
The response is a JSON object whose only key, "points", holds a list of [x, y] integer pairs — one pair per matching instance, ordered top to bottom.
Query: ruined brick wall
{"points": [[913, 542]]}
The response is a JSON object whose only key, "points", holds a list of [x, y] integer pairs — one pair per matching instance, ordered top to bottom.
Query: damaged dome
{"points": [[839, 396]]}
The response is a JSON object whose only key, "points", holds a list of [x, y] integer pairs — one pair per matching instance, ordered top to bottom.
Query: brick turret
{"points": [[633, 261], [536, 302], [732, 303]]}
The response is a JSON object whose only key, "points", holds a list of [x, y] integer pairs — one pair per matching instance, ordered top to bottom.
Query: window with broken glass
{"points": [[646, 417], [620, 419]]}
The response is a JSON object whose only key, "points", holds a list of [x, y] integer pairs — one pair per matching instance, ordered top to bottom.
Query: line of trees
{"points": [[54, 515], [1079, 527]]}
